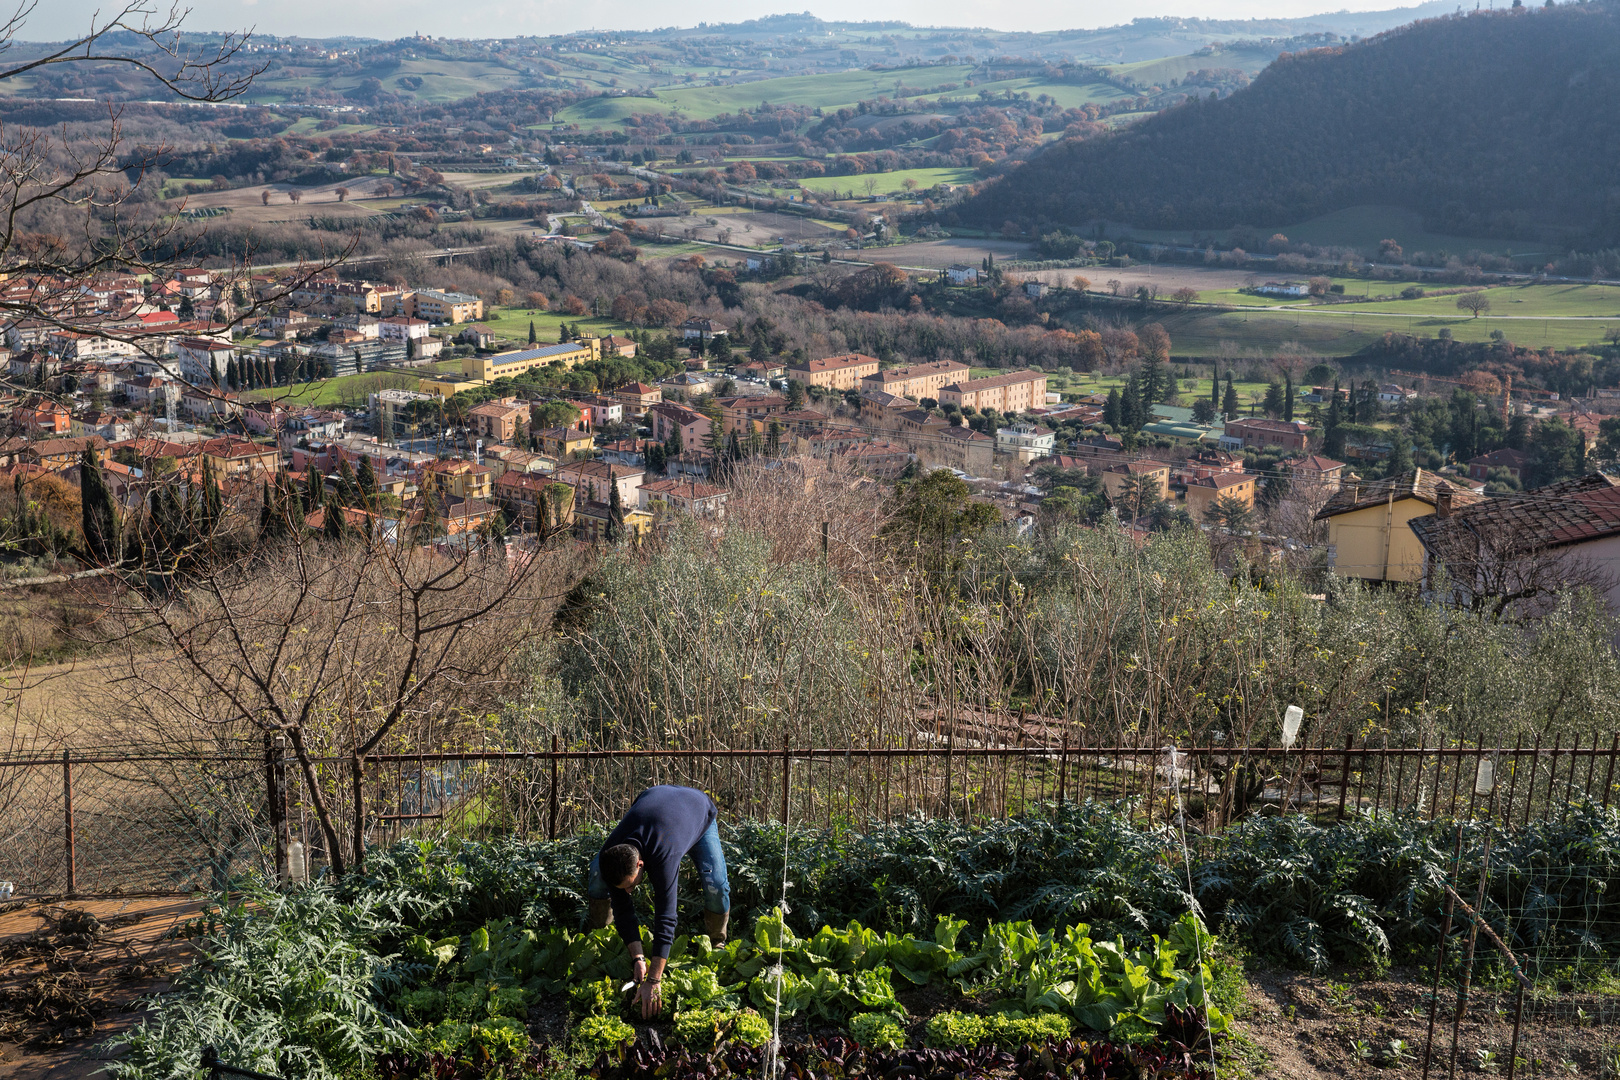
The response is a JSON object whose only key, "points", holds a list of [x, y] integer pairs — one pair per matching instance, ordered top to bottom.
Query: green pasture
{"points": [[1067, 95], [890, 182], [513, 322], [1342, 330], [344, 390]]}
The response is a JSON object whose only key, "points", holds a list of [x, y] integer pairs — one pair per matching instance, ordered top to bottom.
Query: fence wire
{"points": [[86, 823]]}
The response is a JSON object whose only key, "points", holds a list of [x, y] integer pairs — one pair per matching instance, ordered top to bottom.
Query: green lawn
{"points": [[890, 182], [513, 322], [345, 390]]}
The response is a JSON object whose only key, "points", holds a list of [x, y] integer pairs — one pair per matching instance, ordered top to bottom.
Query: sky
{"points": [[56, 20]]}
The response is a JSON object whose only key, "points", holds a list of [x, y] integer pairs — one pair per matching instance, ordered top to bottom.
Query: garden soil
{"points": [[72, 974], [1307, 1026]]}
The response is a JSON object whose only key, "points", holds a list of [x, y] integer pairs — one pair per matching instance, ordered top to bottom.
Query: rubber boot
{"points": [[601, 913], [715, 923]]}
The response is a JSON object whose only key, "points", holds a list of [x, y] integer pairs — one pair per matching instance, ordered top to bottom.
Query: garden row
{"points": [[1017, 944]]}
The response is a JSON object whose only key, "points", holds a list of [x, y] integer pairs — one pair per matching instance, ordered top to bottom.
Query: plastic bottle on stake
{"points": [[1291, 721]]}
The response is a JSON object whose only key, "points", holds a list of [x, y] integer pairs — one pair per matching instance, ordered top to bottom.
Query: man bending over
{"points": [[664, 823]]}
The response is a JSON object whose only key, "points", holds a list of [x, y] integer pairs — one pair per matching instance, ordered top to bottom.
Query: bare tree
{"points": [[341, 193], [1476, 303], [344, 646]]}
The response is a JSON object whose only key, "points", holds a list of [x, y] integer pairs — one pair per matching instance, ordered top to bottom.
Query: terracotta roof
{"points": [[836, 363], [1010, 379], [636, 388], [1292, 427], [1501, 459], [1315, 463], [1145, 465], [1221, 481], [1422, 485], [1568, 512]]}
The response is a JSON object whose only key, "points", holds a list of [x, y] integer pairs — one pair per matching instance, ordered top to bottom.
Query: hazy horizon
{"points": [[392, 19]]}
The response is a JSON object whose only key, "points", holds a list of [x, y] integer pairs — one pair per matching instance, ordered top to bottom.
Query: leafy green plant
{"points": [[877, 1030], [957, 1030], [598, 1034]]}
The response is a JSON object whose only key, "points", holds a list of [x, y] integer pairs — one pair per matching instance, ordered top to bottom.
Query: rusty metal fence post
{"points": [[275, 791], [551, 799], [359, 813], [67, 821]]}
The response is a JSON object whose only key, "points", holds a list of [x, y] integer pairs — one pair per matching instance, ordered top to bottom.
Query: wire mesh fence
{"points": [[99, 823]]}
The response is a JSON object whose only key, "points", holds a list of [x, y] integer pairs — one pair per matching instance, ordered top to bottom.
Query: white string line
{"points": [[1198, 941], [771, 1057]]}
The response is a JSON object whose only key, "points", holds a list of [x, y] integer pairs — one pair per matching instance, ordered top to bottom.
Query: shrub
{"points": [[699, 1028]]}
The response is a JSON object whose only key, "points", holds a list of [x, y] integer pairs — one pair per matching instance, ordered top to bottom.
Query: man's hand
{"points": [[638, 969], [650, 995]]}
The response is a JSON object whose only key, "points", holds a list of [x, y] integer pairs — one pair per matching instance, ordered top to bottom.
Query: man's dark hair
{"points": [[617, 863]]}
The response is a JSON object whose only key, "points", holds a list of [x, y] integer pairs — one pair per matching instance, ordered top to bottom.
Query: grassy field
{"points": [[811, 91], [1067, 95], [594, 113], [890, 182], [1359, 227], [1516, 301], [513, 323], [1342, 331], [345, 390]]}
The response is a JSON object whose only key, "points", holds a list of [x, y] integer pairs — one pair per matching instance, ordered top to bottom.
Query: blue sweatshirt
{"points": [[664, 823]]}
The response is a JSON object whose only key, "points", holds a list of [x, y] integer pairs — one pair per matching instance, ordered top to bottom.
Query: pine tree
{"points": [[562, 333], [1229, 404], [1273, 405], [773, 439], [672, 445], [99, 512], [336, 524]]}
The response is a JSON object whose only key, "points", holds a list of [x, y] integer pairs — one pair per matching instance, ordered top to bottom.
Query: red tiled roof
{"points": [[1568, 512]]}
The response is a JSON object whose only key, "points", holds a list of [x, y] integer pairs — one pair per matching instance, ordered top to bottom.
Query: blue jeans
{"points": [[711, 867]]}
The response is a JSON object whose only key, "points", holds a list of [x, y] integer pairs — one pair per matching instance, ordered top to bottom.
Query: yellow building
{"points": [[439, 307], [476, 369], [834, 372], [917, 381], [1015, 392], [1114, 477], [461, 479], [1203, 491], [1368, 532]]}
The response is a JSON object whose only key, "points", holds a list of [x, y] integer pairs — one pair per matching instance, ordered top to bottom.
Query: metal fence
{"points": [[82, 823]]}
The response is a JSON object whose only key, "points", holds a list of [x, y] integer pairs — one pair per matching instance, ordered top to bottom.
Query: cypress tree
{"points": [[533, 340], [214, 372], [233, 374], [1215, 386], [1288, 399], [1229, 405], [1111, 409], [367, 478], [314, 489], [99, 512], [615, 521]]}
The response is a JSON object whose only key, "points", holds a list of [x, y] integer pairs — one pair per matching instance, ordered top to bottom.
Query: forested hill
{"points": [[1502, 123]]}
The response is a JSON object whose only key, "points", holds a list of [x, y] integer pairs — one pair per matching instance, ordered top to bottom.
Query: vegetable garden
{"points": [[1058, 945]]}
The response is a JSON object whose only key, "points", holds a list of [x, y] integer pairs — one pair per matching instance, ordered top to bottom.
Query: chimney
{"points": [[1442, 500]]}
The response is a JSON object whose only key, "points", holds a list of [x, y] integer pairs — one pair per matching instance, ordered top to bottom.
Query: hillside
{"points": [[1491, 124]]}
